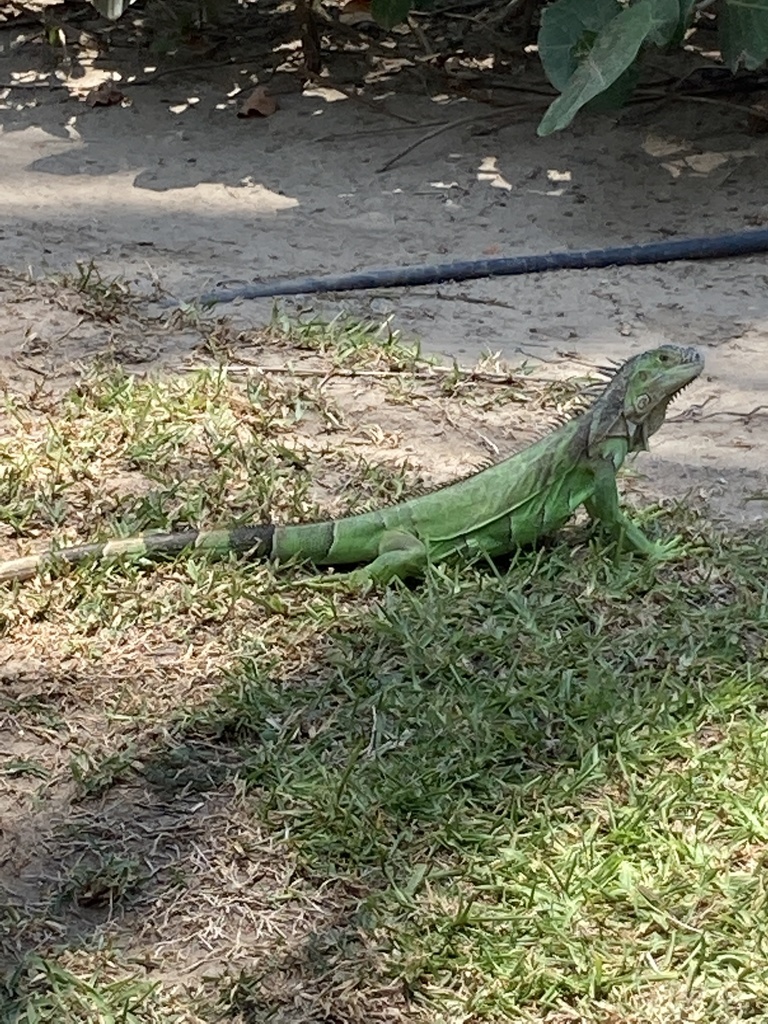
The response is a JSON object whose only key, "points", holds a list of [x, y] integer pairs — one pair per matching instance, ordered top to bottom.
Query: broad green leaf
{"points": [[389, 13], [666, 18], [568, 30], [743, 30], [614, 49], [616, 95]]}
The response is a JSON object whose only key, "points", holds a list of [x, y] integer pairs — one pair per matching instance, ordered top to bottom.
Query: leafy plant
{"points": [[589, 49]]}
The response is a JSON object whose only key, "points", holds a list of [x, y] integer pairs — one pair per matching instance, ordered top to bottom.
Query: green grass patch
{"points": [[350, 343], [187, 444], [554, 780], [44, 992]]}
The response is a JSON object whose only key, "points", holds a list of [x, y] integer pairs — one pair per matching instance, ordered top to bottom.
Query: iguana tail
{"points": [[256, 541]]}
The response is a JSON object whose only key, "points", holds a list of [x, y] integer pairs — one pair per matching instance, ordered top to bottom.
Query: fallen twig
{"points": [[444, 128], [464, 372], [694, 414]]}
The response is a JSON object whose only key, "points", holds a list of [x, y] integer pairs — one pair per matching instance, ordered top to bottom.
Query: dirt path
{"points": [[174, 189]]}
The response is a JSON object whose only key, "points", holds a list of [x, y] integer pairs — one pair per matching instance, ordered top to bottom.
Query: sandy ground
{"points": [[173, 190]]}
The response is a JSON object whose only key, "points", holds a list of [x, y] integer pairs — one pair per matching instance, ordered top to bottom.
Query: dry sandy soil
{"points": [[173, 190]]}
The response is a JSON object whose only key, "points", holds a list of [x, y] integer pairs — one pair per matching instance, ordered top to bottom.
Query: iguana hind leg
{"points": [[603, 506], [401, 554]]}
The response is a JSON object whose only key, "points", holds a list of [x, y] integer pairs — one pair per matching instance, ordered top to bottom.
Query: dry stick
{"points": [[495, 20], [420, 34], [529, 90], [689, 97], [444, 128], [388, 130], [472, 299], [61, 337], [29, 367], [464, 372], [693, 414]]}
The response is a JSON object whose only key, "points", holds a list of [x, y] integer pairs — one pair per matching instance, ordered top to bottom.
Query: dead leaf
{"points": [[357, 12], [105, 95], [258, 104]]}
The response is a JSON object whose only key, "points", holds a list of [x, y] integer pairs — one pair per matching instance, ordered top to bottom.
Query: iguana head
{"points": [[635, 402]]}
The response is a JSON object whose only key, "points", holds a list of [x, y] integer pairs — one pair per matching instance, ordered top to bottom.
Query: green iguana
{"points": [[513, 503]]}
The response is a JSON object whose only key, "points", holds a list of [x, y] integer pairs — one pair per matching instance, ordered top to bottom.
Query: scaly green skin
{"points": [[513, 503]]}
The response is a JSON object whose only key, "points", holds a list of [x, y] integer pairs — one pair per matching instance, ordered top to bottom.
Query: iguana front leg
{"points": [[603, 505]]}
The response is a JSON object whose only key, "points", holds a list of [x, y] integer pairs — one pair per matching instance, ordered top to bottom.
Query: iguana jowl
{"points": [[515, 502]]}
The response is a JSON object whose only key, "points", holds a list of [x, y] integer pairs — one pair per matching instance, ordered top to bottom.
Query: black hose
{"points": [[740, 243]]}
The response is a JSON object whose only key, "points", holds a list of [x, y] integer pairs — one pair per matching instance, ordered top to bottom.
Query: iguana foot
{"points": [[631, 537], [666, 551], [359, 581]]}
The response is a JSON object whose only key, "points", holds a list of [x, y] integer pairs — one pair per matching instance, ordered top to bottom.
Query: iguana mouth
{"points": [[681, 389]]}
